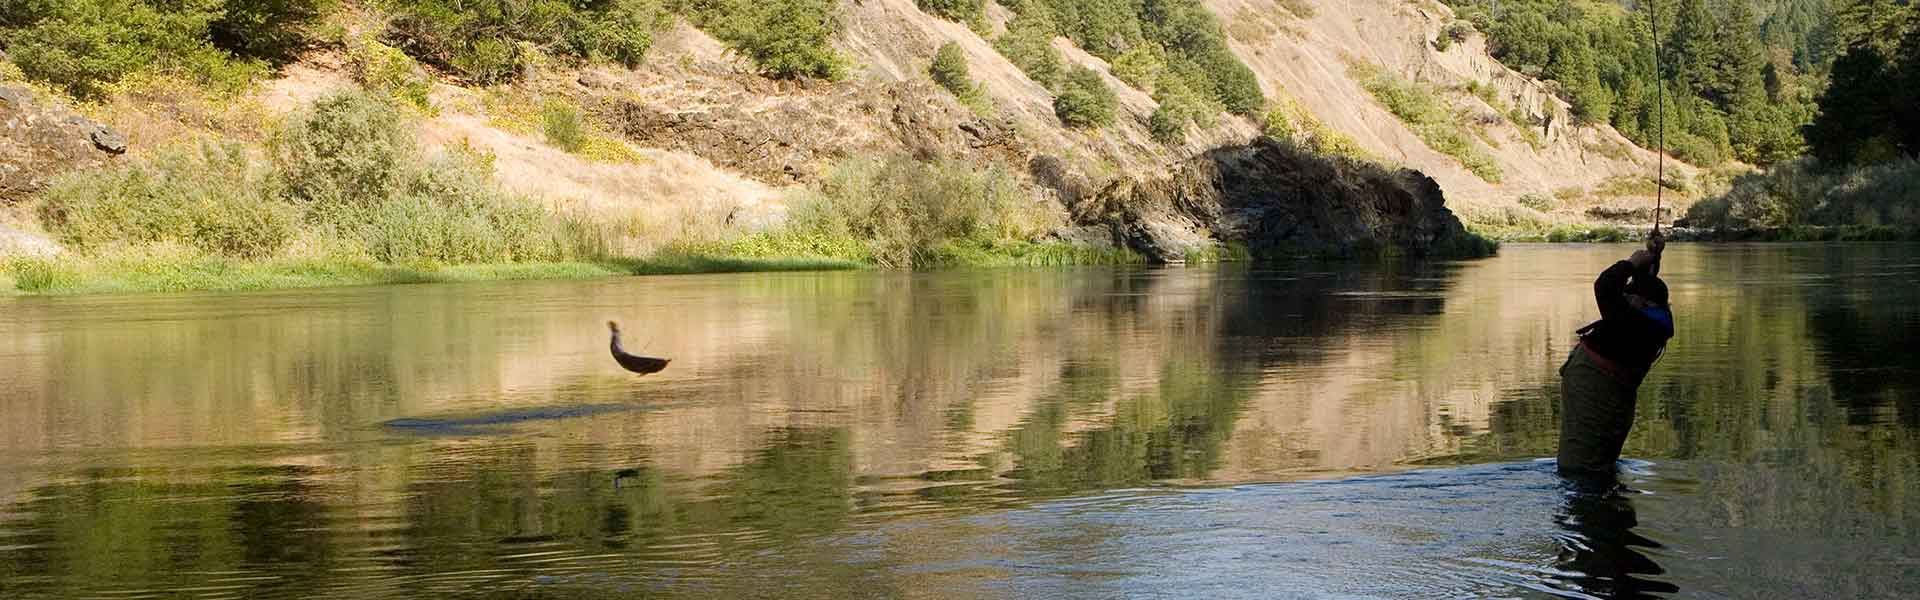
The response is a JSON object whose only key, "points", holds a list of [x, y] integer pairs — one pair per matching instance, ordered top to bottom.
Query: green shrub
{"points": [[973, 13], [270, 29], [1454, 33], [1180, 34], [788, 39], [490, 41], [1028, 44], [82, 46], [1141, 67], [949, 69], [386, 70], [1234, 85], [1084, 100], [1179, 107], [1287, 120], [1278, 124], [563, 125], [1167, 126], [347, 150], [345, 179], [1806, 193], [214, 198], [1539, 202], [907, 209], [451, 213], [1581, 233], [40, 273]]}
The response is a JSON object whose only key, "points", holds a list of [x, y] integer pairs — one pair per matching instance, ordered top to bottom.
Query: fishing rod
{"points": [[1660, 115]]}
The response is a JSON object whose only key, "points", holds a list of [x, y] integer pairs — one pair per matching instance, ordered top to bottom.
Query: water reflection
{"points": [[1076, 433], [1601, 555]]}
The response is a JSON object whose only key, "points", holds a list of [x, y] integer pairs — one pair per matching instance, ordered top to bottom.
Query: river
{"points": [[1318, 430]]}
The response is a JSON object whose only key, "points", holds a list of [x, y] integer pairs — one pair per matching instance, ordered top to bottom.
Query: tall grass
{"points": [[346, 174], [214, 197], [905, 209]]}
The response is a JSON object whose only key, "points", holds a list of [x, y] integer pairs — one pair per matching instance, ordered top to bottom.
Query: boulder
{"points": [[40, 139], [1278, 200]]}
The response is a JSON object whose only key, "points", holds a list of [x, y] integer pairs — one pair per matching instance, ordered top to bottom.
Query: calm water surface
{"points": [[1277, 432]]}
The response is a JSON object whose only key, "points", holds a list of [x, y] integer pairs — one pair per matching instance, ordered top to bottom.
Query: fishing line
{"points": [[1660, 114]]}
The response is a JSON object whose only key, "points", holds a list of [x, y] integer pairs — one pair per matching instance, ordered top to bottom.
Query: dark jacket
{"points": [[1625, 335]]}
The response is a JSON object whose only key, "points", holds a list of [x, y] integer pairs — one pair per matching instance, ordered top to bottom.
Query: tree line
{"points": [[1743, 80]]}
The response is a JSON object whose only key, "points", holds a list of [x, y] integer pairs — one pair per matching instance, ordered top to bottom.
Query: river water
{"points": [[1320, 430]]}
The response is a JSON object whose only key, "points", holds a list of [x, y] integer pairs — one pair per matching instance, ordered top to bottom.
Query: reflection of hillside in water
{"points": [[942, 366], [802, 404]]}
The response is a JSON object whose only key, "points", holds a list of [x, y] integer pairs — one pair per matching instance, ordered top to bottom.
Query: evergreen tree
{"points": [[1875, 23], [1691, 55], [1738, 59], [1906, 97], [1853, 109]]}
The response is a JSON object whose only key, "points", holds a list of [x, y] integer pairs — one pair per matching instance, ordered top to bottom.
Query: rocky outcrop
{"points": [[787, 138], [40, 140], [1278, 200]]}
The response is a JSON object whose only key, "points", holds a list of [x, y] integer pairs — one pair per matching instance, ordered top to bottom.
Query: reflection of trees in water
{"points": [[1865, 324], [1214, 356], [843, 386], [474, 506], [480, 511], [162, 529]]}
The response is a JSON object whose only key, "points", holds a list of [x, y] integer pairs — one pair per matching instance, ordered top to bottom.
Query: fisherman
{"points": [[1600, 381]]}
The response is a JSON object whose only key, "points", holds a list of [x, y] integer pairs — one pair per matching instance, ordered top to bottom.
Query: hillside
{"points": [[891, 106], [695, 143]]}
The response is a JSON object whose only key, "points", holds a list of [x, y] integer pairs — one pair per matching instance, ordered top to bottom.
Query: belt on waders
{"points": [[1603, 364]]}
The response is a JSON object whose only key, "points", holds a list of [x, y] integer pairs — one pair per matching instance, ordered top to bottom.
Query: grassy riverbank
{"points": [[342, 195], [177, 269], [130, 274]]}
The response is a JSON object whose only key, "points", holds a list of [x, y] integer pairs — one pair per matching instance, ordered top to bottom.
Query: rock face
{"points": [[786, 138], [40, 140], [1279, 201]]}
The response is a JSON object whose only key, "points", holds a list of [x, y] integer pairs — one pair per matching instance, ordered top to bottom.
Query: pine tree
{"points": [[1875, 23], [1690, 52], [1738, 58], [1906, 98], [1853, 109]]}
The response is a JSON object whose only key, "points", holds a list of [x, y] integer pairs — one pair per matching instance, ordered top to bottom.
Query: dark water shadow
{"points": [[499, 422], [1600, 553]]}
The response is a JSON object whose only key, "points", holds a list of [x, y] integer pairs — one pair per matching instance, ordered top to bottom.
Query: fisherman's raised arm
{"points": [[1609, 290]]}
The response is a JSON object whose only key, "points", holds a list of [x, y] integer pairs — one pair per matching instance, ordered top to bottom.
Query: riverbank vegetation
{"points": [[1732, 83], [1821, 94], [1862, 175], [342, 191], [226, 193], [342, 194]]}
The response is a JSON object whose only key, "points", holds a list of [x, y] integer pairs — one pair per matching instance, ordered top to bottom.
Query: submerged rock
{"points": [[40, 140], [1279, 200]]}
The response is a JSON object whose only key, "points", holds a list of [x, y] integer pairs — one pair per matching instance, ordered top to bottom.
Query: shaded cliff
{"points": [[1278, 200]]}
